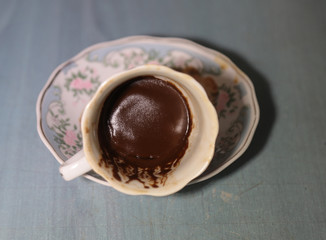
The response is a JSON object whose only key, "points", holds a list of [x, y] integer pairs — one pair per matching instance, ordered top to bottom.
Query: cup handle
{"points": [[76, 166]]}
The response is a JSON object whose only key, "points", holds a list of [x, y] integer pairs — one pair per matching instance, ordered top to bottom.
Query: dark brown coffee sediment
{"points": [[143, 130]]}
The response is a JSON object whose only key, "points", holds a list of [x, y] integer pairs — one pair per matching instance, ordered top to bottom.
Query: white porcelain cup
{"points": [[201, 141]]}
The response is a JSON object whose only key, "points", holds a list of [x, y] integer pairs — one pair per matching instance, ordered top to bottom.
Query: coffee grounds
{"points": [[143, 130]]}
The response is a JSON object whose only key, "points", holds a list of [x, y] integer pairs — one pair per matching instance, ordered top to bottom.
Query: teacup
{"points": [[149, 130]]}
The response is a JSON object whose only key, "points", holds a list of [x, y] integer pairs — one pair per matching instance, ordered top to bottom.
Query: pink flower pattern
{"points": [[153, 62], [130, 66], [81, 84], [222, 100], [70, 138]]}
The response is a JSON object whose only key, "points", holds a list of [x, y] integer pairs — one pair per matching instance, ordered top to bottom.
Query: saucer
{"points": [[72, 84]]}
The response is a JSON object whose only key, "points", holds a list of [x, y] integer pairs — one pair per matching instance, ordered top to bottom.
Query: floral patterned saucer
{"points": [[72, 84]]}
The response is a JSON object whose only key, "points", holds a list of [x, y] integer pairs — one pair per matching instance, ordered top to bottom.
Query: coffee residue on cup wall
{"points": [[207, 82]]}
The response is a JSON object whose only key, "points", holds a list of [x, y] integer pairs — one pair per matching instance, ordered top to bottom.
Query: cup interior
{"points": [[201, 140]]}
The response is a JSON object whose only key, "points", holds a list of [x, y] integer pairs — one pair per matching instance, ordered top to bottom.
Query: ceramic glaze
{"points": [[73, 83]]}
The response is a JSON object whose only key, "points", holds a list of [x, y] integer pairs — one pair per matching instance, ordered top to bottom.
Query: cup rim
{"points": [[90, 117]]}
